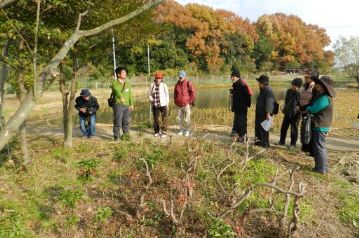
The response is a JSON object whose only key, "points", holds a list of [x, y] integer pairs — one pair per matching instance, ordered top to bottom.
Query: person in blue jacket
{"points": [[322, 110]]}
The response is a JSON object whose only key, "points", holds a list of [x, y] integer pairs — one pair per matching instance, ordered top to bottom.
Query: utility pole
{"points": [[114, 54], [148, 62], [149, 73]]}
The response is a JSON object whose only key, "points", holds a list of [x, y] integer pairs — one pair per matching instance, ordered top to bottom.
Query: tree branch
{"points": [[4, 3], [80, 19], [118, 21], [17, 31], [14, 123]]}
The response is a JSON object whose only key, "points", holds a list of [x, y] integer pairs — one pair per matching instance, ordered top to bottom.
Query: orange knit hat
{"points": [[159, 74]]}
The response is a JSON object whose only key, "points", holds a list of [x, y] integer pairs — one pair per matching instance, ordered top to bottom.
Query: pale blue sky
{"points": [[339, 18]]}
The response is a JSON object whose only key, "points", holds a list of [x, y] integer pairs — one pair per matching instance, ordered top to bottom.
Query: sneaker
{"points": [[180, 133], [163, 134], [187, 134], [157, 135], [279, 143], [291, 147]]}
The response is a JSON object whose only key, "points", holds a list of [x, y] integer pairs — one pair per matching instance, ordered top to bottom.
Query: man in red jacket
{"points": [[184, 97]]}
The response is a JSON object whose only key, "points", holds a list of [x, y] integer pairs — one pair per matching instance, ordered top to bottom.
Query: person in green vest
{"points": [[122, 93], [322, 110]]}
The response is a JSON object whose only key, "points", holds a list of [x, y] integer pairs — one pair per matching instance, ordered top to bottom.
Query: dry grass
{"points": [[31, 203]]}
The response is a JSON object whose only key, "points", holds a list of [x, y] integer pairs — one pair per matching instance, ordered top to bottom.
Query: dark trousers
{"points": [[157, 113], [121, 120], [293, 122], [240, 124], [262, 136], [308, 148], [320, 152]]}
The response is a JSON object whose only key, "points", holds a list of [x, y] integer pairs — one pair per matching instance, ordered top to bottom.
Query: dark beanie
{"points": [[236, 73], [297, 82]]}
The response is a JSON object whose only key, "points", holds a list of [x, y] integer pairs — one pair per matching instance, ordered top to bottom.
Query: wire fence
{"points": [[105, 82]]}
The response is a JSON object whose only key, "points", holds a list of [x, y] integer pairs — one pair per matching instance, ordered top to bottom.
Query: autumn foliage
{"points": [[216, 39]]}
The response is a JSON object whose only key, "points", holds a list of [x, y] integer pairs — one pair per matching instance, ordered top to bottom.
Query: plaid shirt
{"points": [[156, 96]]}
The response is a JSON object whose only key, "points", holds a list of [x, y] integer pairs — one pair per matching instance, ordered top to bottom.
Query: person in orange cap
{"points": [[159, 98]]}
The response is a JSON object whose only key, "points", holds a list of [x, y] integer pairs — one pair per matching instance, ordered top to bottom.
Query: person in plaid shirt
{"points": [[159, 99]]}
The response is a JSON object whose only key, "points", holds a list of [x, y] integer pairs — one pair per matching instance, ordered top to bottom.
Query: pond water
{"points": [[219, 97], [206, 98]]}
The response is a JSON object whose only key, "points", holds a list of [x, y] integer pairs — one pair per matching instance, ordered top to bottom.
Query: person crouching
{"points": [[87, 106]]}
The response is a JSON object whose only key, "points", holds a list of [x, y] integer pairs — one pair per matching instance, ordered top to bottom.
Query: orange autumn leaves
{"points": [[207, 29], [293, 39]]}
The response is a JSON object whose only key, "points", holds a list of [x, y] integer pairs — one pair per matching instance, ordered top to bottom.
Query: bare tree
{"points": [[50, 70]]}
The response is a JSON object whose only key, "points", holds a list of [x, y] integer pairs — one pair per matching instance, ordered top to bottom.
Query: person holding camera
{"points": [[184, 97], [87, 106]]}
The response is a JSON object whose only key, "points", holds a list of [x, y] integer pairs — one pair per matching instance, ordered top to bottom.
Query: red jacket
{"points": [[184, 93]]}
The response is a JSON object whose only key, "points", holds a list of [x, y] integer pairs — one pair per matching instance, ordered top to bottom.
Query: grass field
{"points": [[95, 189]]}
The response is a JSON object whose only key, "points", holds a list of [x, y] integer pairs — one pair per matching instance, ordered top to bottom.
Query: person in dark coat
{"points": [[241, 101], [87, 106], [264, 110], [322, 110], [291, 114]]}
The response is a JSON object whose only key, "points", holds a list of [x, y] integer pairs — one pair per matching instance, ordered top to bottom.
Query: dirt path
{"points": [[104, 132]]}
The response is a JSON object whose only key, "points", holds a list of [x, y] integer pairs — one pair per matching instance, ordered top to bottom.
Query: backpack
{"points": [[111, 100], [193, 104], [276, 108], [306, 129]]}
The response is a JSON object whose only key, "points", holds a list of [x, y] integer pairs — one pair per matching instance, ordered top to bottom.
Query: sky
{"points": [[339, 18]]}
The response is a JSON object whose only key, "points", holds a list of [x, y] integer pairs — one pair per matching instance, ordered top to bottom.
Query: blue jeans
{"points": [[88, 129]]}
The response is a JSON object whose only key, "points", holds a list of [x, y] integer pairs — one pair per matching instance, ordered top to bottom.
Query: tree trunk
{"points": [[3, 78], [22, 94], [68, 100], [70, 110], [12, 126]]}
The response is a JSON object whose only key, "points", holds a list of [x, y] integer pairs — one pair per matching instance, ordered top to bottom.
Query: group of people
{"points": [[314, 98]]}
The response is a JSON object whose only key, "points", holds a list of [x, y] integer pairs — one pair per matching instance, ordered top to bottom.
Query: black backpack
{"points": [[111, 100], [276, 108]]}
